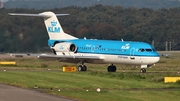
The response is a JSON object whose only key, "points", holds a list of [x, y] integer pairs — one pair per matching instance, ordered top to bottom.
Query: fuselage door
{"points": [[92, 48], [132, 53]]}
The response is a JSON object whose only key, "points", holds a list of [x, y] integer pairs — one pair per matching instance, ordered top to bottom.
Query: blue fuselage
{"points": [[110, 47]]}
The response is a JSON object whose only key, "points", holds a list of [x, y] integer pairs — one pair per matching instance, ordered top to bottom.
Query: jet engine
{"points": [[65, 47]]}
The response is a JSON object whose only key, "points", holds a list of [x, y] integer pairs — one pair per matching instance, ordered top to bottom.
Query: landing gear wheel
{"points": [[79, 68], [82, 68], [111, 68], [143, 70]]}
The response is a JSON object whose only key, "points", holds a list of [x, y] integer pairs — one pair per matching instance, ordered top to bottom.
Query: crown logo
{"points": [[53, 23]]}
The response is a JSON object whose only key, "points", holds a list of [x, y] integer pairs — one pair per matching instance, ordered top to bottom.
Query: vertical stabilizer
{"points": [[54, 28]]}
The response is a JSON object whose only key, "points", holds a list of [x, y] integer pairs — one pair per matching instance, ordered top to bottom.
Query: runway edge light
{"points": [[171, 79]]}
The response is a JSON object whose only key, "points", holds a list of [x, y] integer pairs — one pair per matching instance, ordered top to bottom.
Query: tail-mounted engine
{"points": [[65, 47]]}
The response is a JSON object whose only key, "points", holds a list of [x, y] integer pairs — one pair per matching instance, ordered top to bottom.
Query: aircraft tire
{"points": [[82, 68], [111, 69], [143, 70]]}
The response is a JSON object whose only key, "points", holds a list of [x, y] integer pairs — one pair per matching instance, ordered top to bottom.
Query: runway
{"points": [[10, 93]]}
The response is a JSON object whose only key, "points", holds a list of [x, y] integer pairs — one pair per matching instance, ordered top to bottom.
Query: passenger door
{"points": [[132, 53]]}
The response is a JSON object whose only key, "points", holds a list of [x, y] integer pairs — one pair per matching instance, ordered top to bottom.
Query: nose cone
{"points": [[155, 57], [152, 58]]}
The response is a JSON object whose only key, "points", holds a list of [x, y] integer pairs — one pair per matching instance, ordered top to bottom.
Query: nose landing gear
{"points": [[143, 70]]}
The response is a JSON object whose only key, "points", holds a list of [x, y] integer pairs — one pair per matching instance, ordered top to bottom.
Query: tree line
{"points": [[50, 4], [28, 34]]}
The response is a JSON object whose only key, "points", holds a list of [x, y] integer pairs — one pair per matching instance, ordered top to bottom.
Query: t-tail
{"points": [[52, 24]]}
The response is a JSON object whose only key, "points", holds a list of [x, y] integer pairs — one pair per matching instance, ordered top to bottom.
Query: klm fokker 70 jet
{"points": [[71, 49]]}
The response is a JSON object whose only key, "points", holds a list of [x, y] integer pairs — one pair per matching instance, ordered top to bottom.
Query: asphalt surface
{"points": [[10, 93]]}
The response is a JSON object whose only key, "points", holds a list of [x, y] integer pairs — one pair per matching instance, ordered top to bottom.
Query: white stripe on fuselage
{"points": [[116, 59]]}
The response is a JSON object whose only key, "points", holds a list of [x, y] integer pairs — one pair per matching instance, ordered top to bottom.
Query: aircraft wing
{"points": [[18, 54], [24, 54], [72, 59]]}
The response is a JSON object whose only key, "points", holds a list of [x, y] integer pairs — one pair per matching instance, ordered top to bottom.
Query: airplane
{"points": [[68, 48]]}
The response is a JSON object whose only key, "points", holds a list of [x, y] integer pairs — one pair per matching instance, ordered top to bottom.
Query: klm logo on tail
{"points": [[53, 28]]}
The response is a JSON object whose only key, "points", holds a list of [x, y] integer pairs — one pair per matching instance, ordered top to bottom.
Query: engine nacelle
{"points": [[65, 47]]}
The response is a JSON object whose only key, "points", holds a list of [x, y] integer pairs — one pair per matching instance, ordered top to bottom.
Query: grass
{"points": [[126, 84], [74, 85]]}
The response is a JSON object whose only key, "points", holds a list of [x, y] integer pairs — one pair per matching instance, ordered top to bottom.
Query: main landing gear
{"points": [[82, 68], [111, 68], [143, 70]]}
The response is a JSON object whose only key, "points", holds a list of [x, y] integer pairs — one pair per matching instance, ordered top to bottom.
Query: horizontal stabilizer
{"points": [[37, 15]]}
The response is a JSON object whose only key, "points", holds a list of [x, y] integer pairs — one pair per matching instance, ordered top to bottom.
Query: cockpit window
{"points": [[141, 50], [149, 50]]}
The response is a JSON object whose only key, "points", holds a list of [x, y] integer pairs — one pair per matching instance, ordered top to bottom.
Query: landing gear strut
{"points": [[82, 68], [111, 68], [143, 70]]}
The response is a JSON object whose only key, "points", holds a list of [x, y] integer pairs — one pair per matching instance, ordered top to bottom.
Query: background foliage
{"points": [[50, 4], [28, 34]]}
